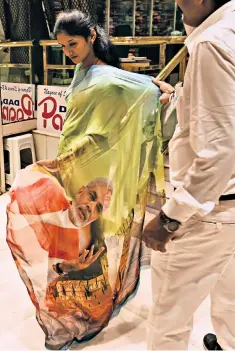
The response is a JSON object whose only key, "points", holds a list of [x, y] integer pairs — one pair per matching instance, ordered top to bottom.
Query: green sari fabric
{"points": [[112, 129], [110, 167]]}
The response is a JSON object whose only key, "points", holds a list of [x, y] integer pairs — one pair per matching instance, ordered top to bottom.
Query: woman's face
{"points": [[77, 48]]}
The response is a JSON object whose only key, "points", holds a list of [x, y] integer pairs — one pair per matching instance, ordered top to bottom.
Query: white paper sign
{"points": [[17, 102], [51, 108]]}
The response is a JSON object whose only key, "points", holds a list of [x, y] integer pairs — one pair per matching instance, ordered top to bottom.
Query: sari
{"points": [[88, 214]]}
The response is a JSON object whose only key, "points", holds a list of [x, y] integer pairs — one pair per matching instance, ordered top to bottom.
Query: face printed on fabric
{"points": [[77, 48], [149, 128], [89, 202]]}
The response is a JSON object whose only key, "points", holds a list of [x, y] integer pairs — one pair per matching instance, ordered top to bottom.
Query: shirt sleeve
{"points": [[211, 133]]}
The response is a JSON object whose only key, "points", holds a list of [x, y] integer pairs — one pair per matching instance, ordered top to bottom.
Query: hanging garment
{"points": [[75, 232]]}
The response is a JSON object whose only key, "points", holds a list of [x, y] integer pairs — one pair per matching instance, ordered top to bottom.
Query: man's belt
{"points": [[224, 197], [227, 197]]}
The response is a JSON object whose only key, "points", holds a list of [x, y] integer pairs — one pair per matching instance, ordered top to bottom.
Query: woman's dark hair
{"points": [[77, 23]]}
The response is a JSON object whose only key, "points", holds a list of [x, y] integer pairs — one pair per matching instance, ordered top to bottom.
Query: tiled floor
{"points": [[20, 331]]}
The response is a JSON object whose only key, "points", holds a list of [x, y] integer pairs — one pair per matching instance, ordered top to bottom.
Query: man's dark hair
{"points": [[219, 3]]}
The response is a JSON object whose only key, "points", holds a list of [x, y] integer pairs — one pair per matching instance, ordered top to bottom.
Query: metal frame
{"points": [[134, 17], [107, 18], [151, 19]]}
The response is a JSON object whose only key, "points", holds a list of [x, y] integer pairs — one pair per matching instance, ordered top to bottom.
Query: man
{"points": [[197, 224]]}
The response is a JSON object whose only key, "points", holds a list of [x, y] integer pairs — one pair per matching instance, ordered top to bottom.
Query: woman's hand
{"points": [[166, 89], [50, 165], [84, 261]]}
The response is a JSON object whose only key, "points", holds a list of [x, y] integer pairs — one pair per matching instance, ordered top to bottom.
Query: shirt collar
{"points": [[210, 21]]}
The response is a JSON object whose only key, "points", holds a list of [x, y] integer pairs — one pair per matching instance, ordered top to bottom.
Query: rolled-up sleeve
{"points": [[211, 133]]}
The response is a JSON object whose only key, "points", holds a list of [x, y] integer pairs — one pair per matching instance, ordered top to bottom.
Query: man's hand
{"points": [[166, 89], [50, 165], [156, 236], [84, 261]]}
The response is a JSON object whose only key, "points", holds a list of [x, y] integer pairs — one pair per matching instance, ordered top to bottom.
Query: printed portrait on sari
{"points": [[75, 229]]}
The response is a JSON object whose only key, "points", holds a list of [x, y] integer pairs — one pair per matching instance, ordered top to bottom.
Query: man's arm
{"points": [[212, 133], [85, 260]]}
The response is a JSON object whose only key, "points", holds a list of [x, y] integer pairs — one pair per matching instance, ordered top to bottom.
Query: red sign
{"points": [[17, 102], [51, 109]]}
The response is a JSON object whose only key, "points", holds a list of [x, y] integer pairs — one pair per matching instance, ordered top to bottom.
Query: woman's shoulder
{"points": [[102, 78], [112, 78]]}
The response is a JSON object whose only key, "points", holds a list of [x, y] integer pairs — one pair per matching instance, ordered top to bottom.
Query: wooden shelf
{"points": [[153, 40], [18, 127]]}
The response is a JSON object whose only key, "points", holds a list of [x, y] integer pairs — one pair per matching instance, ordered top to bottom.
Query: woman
{"points": [[111, 132]]}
